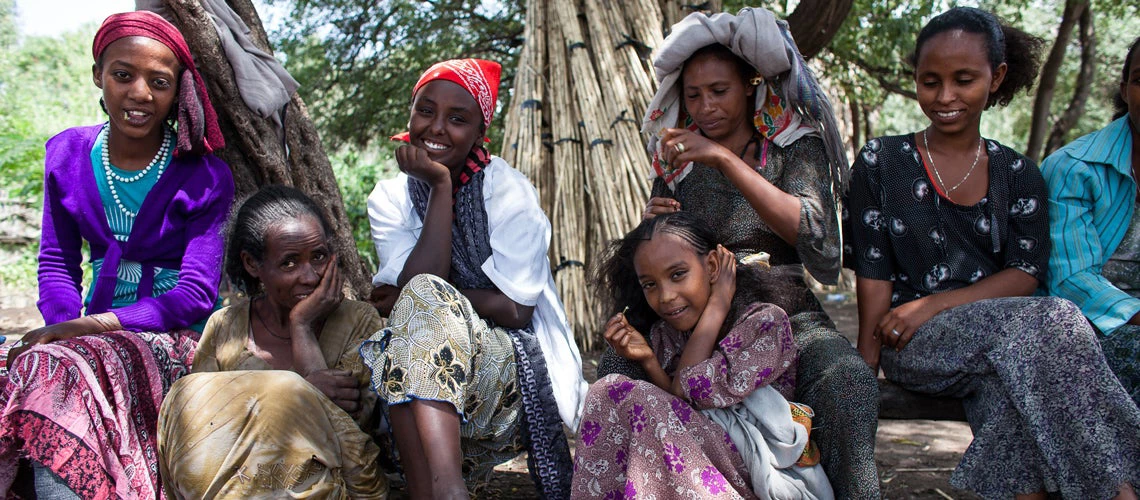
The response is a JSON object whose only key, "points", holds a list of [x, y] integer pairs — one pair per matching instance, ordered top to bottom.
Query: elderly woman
{"points": [[744, 138], [81, 395], [278, 400]]}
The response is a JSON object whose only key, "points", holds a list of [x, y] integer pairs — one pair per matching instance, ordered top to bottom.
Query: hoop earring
{"points": [[103, 104]]}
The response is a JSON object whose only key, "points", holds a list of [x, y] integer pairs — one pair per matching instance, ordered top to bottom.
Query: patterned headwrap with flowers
{"points": [[198, 130]]}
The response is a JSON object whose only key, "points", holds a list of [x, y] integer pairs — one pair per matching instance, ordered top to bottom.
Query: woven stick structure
{"points": [[584, 79]]}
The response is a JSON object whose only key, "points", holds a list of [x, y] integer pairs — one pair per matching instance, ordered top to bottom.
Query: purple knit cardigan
{"points": [[179, 226]]}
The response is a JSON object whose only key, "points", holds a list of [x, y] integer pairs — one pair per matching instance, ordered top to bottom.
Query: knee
{"points": [[426, 281], [834, 375]]}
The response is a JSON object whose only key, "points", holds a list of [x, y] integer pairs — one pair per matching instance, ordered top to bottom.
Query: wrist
{"points": [[441, 185], [106, 321], [650, 364]]}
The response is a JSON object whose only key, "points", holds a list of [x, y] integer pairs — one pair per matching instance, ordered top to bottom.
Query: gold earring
{"points": [[756, 80]]}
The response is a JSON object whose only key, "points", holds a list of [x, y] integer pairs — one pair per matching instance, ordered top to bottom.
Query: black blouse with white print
{"points": [[899, 228]]}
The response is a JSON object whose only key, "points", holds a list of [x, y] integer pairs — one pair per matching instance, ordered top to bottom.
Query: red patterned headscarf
{"points": [[479, 77], [198, 130]]}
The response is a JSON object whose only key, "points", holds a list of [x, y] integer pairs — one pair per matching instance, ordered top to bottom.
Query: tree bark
{"points": [[676, 10], [815, 22], [1085, 77], [1048, 83], [254, 149]]}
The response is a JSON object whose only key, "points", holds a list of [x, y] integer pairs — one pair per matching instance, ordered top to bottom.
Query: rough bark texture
{"points": [[675, 10], [815, 22], [1085, 77], [1048, 83], [254, 149]]}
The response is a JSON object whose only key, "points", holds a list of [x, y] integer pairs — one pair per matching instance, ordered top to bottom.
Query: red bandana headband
{"points": [[479, 77], [198, 129]]}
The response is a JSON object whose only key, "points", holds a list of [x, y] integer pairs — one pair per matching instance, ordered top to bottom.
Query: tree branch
{"points": [[1086, 75], [1048, 83]]}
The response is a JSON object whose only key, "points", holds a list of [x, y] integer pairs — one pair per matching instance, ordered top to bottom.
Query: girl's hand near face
{"points": [[696, 148], [416, 163], [724, 286], [324, 299], [627, 341]]}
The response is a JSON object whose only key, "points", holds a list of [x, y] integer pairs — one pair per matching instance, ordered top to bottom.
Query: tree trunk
{"points": [[676, 10], [815, 22], [1085, 77], [1048, 83], [255, 152]]}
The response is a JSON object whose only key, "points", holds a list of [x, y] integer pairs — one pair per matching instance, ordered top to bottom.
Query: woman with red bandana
{"points": [[477, 351], [80, 396]]}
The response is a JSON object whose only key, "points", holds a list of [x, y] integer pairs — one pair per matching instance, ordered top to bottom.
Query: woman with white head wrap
{"points": [[743, 137]]}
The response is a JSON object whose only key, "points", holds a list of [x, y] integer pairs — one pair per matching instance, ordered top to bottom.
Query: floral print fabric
{"points": [[900, 229], [436, 348], [1046, 413], [639, 441]]}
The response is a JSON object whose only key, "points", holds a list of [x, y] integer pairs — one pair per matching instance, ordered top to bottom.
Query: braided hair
{"points": [[249, 224]]}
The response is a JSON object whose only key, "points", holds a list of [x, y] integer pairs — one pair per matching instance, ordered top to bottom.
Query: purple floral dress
{"points": [[639, 441]]}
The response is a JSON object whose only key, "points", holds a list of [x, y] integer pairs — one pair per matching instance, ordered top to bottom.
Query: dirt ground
{"points": [[914, 457]]}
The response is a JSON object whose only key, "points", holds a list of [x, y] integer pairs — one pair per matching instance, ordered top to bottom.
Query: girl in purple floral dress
{"points": [[713, 341]]}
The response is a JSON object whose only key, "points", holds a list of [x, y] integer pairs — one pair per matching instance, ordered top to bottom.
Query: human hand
{"points": [[695, 147], [415, 162], [660, 206], [724, 281], [383, 298], [322, 301], [898, 325], [60, 331], [626, 340], [340, 387]]}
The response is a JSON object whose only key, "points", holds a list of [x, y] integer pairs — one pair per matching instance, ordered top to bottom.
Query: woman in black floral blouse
{"points": [[949, 238]]}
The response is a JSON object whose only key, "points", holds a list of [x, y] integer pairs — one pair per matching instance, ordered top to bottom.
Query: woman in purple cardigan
{"points": [[80, 396]]}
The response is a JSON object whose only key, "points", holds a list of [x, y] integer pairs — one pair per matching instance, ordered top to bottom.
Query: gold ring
{"points": [[680, 147]]}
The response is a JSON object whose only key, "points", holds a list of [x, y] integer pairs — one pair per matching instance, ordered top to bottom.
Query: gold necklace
{"points": [[977, 156]]}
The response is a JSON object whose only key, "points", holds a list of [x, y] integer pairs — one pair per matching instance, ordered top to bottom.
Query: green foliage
{"points": [[357, 60], [45, 87], [356, 174]]}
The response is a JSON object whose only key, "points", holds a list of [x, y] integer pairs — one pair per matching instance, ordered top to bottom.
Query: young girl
{"points": [[744, 139], [950, 237], [477, 351], [721, 362], [82, 394]]}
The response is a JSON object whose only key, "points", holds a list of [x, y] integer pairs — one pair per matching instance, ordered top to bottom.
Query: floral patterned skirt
{"points": [[436, 348], [1122, 350], [87, 408], [1046, 412], [638, 441]]}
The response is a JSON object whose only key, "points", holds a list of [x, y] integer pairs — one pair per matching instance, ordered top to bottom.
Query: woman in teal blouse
{"points": [[1095, 227]]}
